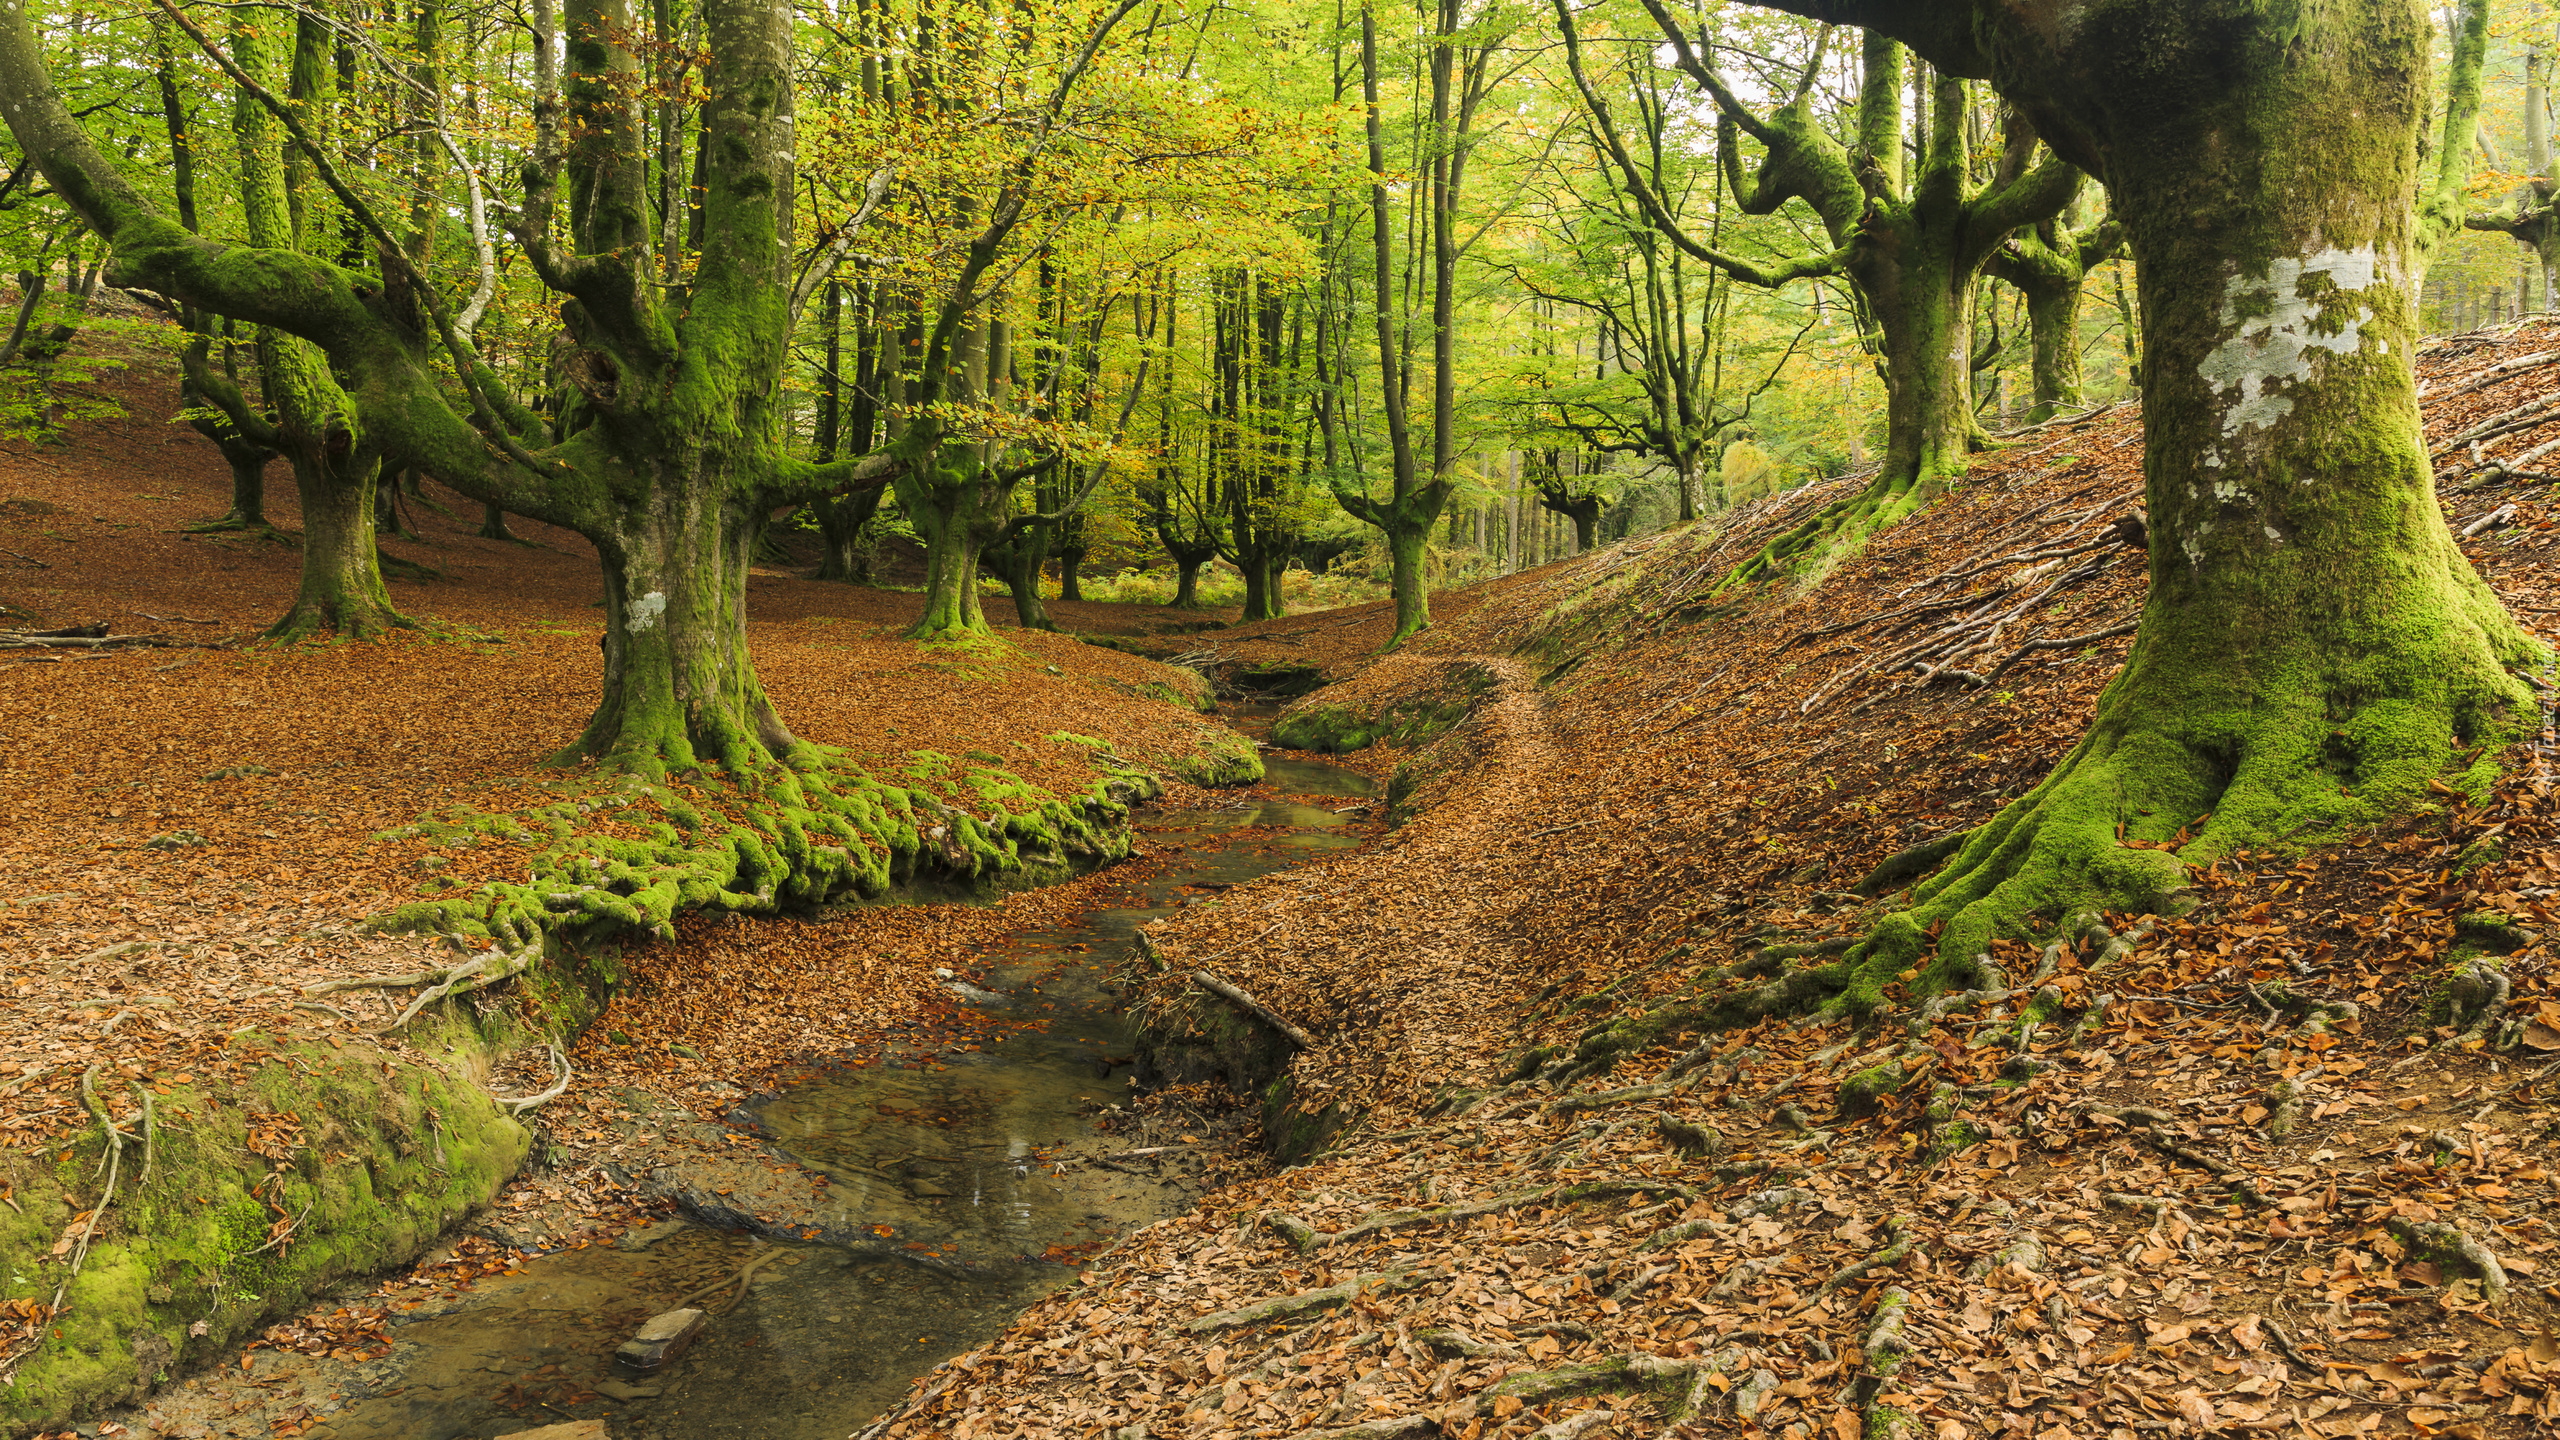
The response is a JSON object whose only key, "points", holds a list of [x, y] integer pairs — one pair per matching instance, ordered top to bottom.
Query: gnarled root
{"points": [[1895, 491], [476, 974], [2478, 993], [1306, 1237], [2455, 1250], [1288, 1307], [1686, 1387]]}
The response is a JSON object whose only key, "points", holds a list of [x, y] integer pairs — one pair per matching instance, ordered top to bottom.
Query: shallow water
{"points": [[952, 1162]]}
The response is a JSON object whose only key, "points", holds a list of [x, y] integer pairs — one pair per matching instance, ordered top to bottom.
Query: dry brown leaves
{"points": [[267, 774], [1672, 795]]}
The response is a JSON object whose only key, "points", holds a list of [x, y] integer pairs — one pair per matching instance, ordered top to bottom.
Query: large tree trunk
{"points": [[1919, 279], [2053, 340], [248, 462], [947, 505], [1018, 559], [1187, 560], [1070, 563], [342, 589], [2315, 652], [679, 688]]}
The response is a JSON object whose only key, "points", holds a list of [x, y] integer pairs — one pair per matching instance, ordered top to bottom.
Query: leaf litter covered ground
{"points": [[192, 833], [2292, 1176], [2127, 1249]]}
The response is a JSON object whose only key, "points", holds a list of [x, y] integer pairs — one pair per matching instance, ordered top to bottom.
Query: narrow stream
{"points": [[945, 1213]]}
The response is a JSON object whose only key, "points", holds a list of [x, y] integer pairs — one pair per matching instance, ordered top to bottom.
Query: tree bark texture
{"points": [[2315, 653]]}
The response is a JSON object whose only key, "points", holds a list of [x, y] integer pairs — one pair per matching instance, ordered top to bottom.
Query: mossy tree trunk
{"points": [[1911, 238], [2048, 262], [318, 429], [248, 464], [1582, 510], [493, 525], [1072, 548], [841, 553], [1018, 559], [1186, 577], [341, 590], [2315, 653], [679, 687]]}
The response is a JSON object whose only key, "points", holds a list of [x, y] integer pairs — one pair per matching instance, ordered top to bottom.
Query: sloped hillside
{"points": [[1588, 1159]]}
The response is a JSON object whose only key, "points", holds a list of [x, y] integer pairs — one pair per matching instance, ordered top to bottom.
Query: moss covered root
{"points": [[809, 829]]}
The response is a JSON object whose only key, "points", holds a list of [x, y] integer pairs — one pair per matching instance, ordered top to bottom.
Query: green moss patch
{"points": [[325, 1165]]}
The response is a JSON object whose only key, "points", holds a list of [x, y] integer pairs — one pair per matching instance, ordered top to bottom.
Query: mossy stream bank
{"points": [[309, 1162], [956, 1183]]}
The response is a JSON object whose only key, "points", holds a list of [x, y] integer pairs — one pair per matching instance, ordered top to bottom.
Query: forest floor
{"points": [[1619, 786], [192, 833], [2208, 1204]]}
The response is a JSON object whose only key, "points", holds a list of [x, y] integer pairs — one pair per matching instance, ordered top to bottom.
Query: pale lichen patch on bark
{"points": [[2276, 327]]}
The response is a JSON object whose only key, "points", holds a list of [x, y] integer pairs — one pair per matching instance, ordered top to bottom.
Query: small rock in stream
{"points": [[927, 1190], [660, 1341], [619, 1390]]}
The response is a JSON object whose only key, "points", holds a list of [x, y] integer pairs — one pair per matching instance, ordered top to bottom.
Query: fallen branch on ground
{"points": [[1256, 1008]]}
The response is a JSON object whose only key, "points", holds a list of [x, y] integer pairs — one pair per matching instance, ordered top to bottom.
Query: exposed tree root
{"points": [[1890, 496], [235, 523], [309, 619], [478, 973], [2478, 992], [560, 1064], [1602, 1100], [2151, 1127], [1690, 1141], [1294, 1229], [1898, 1231], [2455, 1251], [1286, 1307], [1455, 1344], [1685, 1387]]}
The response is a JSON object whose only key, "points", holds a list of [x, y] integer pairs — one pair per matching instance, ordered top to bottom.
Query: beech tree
{"points": [[1461, 73], [2531, 213], [1910, 228], [2048, 262], [668, 451], [2315, 653]]}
